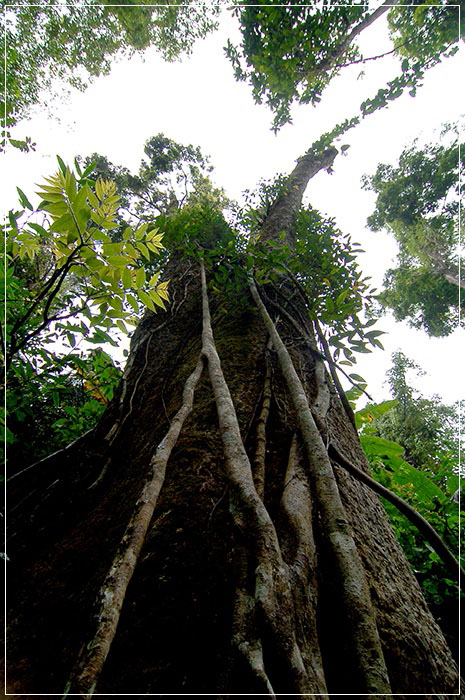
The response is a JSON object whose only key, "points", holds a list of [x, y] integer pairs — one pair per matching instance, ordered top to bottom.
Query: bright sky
{"points": [[199, 102]]}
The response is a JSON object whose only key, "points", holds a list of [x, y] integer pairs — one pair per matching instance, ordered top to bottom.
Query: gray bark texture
{"points": [[237, 586]]}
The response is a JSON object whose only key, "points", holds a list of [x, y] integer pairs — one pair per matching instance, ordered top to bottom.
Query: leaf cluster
{"points": [[48, 40], [286, 50], [418, 202], [49, 408], [429, 487]]}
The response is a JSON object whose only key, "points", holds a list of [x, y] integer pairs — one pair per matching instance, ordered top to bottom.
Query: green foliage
{"points": [[424, 31], [47, 41], [285, 51], [290, 53], [418, 201], [196, 224], [323, 261], [68, 272], [77, 272], [67, 282], [94, 381], [48, 409], [427, 429], [412, 446]]}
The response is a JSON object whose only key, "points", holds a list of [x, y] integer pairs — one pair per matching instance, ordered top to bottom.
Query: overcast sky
{"points": [[198, 101]]}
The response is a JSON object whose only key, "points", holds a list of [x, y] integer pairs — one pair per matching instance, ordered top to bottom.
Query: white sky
{"points": [[199, 102]]}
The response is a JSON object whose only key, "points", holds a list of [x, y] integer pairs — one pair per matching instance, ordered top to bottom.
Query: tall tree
{"points": [[418, 202], [426, 428], [206, 536], [252, 545]]}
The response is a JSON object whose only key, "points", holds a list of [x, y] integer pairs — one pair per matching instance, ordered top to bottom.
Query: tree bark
{"points": [[232, 592]]}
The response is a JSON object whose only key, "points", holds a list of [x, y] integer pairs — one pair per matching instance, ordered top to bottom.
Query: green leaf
{"points": [[63, 167], [88, 170], [24, 200], [56, 209], [63, 223], [39, 229], [140, 232], [143, 249], [118, 260], [126, 277], [140, 278], [154, 279], [341, 297], [156, 298], [145, 299], [133, 302], [357, 378], [379, 447]]}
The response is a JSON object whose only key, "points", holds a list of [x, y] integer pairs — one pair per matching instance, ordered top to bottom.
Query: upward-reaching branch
{"points": [[340, 50], [283, 211]]}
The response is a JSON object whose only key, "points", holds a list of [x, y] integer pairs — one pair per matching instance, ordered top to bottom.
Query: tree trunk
{"points": [[236, 589]]}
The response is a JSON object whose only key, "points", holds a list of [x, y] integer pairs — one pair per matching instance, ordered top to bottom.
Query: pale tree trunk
{"points": [[265, 567]]}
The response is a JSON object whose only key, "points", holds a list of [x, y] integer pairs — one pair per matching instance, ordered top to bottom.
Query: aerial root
{"points": [[258, 461], [428, 532], [299, 551], [110, 599], [273, 599], [361, 619], [245, 637]]}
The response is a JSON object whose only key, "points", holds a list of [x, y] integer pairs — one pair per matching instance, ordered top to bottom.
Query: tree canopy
{"points": [[78, 41], [290, 53], [418, 202]]}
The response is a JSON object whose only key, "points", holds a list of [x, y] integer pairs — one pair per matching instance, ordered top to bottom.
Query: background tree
{"points": [[76, 42], [172, 176], [418, 201], [427, 429], [412, 444]]}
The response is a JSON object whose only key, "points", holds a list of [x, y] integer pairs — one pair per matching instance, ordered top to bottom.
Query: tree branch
{"points": [[371, 58], [329, 62], [428, 532]]}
